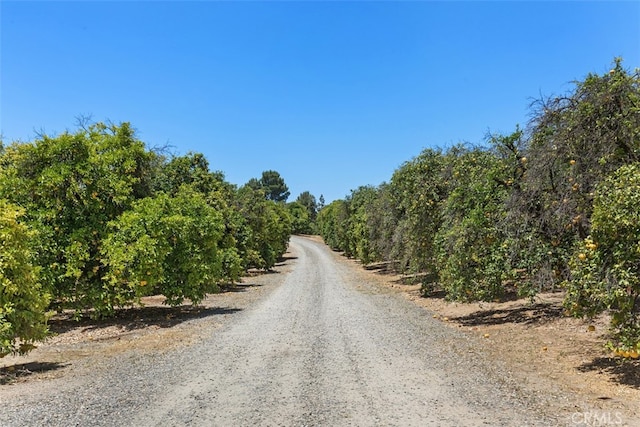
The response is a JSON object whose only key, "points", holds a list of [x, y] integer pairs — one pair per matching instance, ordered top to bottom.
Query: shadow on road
{"points": [[241, 287], [534, 313], [137, 318], [12, 373]]}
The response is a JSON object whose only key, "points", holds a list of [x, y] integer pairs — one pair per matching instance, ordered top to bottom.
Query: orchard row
{"points": [[556, 205], [92, 221]]}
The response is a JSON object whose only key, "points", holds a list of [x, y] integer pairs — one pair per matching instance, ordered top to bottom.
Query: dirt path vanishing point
{"points": [[316, 345]]}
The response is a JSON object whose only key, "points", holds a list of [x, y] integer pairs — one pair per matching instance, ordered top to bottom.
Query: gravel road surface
{"points": [[319, 347]]}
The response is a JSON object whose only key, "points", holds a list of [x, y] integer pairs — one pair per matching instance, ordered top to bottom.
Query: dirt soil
{"points": [[153, 327], [535, 340]]}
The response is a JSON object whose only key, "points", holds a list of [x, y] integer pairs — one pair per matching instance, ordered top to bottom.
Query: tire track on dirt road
{"points": [[315, 344], [326, 349]]}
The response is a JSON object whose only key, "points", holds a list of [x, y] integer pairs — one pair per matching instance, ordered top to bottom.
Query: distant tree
{"points": [[254, 184], [274, 186], [307, 200], [321, 202], [300, 220], [332, 223], [267, 227], [360, 234]]}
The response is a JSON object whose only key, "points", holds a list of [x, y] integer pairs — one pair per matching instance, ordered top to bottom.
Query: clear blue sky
{"points": [[332, 95]]}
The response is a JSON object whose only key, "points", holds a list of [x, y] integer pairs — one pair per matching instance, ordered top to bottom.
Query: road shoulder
{"points": [[540, 346]]}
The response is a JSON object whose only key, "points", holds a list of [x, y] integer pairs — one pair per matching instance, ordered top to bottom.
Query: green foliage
{"points": [[576, 140], [191, 169], [71, 186], [274, 187], [417, 189], [308, 200], [300, 219], [116, 222], [332, 222], [381, 223], [267, 228], [279, 228], [359, 231], [164, 245], [232, 245], [471, 258], [606, 266], [22, 302]]}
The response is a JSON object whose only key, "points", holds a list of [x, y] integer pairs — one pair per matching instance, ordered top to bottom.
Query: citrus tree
{"points": [[575, 141], [192, 170], [71, 186], [418, 189], [301, 221], [332, 222], [381, 223], [267, 227], [359, 230], [164, 245], [471, 258], [606, 266], [23, 303]]}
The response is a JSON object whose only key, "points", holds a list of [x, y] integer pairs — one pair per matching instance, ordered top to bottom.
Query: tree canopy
{"points": [[274, 187], [92, 221]]}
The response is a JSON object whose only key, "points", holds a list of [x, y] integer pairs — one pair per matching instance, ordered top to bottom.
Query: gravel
{"points": [[318, 345]]}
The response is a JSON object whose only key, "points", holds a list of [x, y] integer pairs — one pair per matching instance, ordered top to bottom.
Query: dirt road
{"points": [[319, 348]]}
